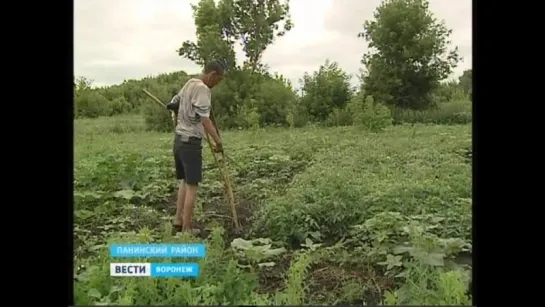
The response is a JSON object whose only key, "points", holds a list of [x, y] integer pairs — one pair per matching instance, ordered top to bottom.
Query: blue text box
{"points": [[158, 250], [174, 270]]}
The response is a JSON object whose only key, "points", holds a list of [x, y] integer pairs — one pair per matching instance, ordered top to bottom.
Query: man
{"points": [[193, 108]]}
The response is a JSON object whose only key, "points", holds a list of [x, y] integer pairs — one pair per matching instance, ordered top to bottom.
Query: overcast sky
{"points": [[130, 39]]}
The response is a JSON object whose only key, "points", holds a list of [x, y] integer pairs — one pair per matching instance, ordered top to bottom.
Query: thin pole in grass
{"points": [[222, 166], [224, 173]]}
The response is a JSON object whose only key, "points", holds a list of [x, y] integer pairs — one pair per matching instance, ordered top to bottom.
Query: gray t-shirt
{"points": [[195, 103]]}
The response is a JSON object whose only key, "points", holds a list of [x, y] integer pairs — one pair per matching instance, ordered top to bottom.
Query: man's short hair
{"points": [[215, 65]]}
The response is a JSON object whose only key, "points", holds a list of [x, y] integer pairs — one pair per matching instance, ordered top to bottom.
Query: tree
{"points": [[257, 23], [254, 24], [215, 34], [408, 54], [466, 81], [82, 84], [325, 90], [273, 100]]}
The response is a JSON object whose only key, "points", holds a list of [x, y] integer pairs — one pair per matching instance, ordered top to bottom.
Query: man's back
{"points": [[194, 103]]}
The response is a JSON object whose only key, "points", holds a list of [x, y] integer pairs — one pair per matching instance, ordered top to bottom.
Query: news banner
{"points": [[126, 269]]}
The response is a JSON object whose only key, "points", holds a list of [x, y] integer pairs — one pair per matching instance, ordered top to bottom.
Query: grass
{"points": [[344, 215]]}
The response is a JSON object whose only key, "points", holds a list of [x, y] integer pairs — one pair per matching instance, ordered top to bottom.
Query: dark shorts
{"points": [[188, 159]]}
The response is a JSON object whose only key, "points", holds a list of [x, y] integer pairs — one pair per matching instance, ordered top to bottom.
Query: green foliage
{"points": [[254, 24], [408, 54], [402, 72], [466, 82], [247, 90], [325, 90], [449, 91], [244, 92], [124, 98], [274, 98], [90, 103], [237, 104], [119, 105], [363, 113], [448, 113], [375, 116], [249, 117], [300, 117], [340, 117], [158, 118], [111, 125], [413, 170], [337, 215], [353, 217]]}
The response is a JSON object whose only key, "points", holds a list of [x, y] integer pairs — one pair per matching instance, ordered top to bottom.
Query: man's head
{"points": [[213, 73]]}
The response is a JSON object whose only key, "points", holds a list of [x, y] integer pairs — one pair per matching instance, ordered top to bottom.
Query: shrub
{"points": [[91, 104], [119, 105], [449, 113], [368, 114], [300, 116], [375, 116], [250, 117], [339, 117], [157, 118]]}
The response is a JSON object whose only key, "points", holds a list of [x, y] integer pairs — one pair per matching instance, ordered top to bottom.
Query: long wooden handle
{"points": [[154, 98]]}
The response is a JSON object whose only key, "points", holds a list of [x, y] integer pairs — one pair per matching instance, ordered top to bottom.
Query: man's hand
{"points": [[218, 148]]}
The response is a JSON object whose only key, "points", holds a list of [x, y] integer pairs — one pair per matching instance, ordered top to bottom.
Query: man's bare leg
{"points": [[190, 196], [180, 203]]}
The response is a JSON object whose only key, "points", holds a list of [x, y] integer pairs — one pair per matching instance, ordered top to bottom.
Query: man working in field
{"points": [[192, 105]]}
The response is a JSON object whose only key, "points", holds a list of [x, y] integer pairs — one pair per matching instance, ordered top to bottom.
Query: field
{"points": [[330, 215]]}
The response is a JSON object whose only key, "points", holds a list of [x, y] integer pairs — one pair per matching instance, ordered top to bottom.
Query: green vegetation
{"points": [[402, 72], [344, 195], [363, 216]]}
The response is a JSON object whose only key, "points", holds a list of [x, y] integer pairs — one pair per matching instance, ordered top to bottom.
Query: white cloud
{"points": [[130, 39]]}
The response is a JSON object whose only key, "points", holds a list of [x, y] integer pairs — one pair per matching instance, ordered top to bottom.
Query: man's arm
{"points": [[174, 104], [202, 106], [174, 107], [210, 129]]}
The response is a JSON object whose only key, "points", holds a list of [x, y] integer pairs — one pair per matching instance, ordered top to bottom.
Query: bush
{"points": [[325, 90], [448, 92], [244, 95], [272, 102], [91, 104], [119, 105], [449, 113], [370, 115], [375, 116], [250, 117], [300, 117], [339, 117], [157, 118]]}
